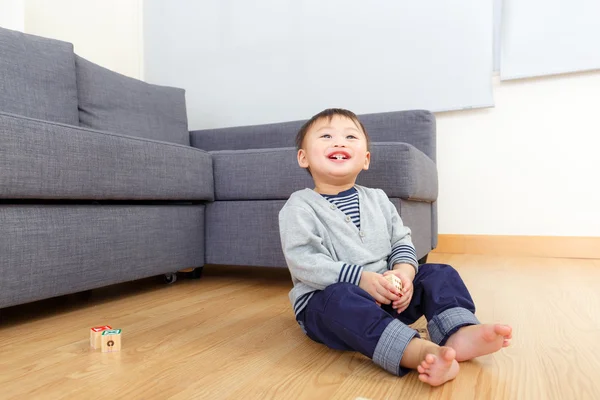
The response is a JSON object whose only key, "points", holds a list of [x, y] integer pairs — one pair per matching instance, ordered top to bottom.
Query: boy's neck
{"points": [[332, 189]]}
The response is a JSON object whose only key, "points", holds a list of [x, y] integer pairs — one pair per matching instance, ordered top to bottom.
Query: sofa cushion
{"points": [[37, 77], [113, 102], [43, 160], [401, 170], [270, 174], [227, 244]]}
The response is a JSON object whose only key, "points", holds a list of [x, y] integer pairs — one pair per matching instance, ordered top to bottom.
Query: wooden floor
{"points": [[231, 335]]}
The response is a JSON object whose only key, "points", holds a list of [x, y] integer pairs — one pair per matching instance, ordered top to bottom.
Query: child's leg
{"points": [[441, 295], [345, 317]]}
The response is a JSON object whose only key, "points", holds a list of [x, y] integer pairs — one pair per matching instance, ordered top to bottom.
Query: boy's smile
{"points": [[335, 151], [339, 155]]}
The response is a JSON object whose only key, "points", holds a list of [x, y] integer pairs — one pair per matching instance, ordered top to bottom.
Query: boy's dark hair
{"points": [[329, 114]]}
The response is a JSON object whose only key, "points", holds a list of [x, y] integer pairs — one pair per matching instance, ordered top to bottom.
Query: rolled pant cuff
{"points": [[448, 322], [391, 346]]}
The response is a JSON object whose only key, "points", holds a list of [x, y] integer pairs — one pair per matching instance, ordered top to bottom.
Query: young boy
{"points": [[340, 240]]}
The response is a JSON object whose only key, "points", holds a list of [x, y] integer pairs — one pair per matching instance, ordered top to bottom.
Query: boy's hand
{"points": [[406, 273], [377, 286]]}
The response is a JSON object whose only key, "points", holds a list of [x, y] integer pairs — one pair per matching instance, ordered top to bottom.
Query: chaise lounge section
{"points": [[101, 181], [98, 182]]}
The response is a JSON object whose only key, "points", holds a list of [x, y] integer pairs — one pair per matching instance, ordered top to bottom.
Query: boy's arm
{"points": [[403, 251], [308, 260]]}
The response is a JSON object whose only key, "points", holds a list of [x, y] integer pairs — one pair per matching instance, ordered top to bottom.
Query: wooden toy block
{"points": [[394, 280], [96, 335], [111, 340]]}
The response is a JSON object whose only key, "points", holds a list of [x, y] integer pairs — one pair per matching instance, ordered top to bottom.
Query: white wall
{"points": [[12, 14], [107, 32], [541, 37], [252, 62], [529, 166]]}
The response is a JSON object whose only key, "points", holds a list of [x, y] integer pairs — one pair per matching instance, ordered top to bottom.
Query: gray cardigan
{"points": [[322, 246]]}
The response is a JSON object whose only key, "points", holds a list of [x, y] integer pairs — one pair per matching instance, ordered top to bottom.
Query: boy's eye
{"points": [[326, 136], [351, 137]]}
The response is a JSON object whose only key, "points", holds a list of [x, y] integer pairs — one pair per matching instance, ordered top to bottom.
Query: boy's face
{"points": [[335, 151]]}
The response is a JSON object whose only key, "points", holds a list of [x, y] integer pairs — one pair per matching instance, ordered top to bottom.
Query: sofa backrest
{"points": [[37, 77], [44, 79], [113, 102], [415, 127]]}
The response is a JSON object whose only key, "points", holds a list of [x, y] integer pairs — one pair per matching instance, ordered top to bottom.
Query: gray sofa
{"points": [[255, 171], [98, 182], [101, 182]]}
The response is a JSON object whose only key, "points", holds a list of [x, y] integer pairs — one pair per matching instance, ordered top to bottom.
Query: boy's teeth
{"points": [[339, 156]]}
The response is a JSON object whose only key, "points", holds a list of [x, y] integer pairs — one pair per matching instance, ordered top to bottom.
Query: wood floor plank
{"points": [[232, 335]]}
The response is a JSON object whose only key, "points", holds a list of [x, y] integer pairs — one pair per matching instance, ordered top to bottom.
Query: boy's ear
{"points": [[302, 161], [367, 161]]}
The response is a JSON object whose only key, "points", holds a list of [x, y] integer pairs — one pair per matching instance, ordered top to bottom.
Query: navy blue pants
{"points": [[345, 317]]}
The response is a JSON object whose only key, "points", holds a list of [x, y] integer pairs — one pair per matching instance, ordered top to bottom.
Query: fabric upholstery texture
{"points": [[37, 77], [113, 102], [415, 127], [43, 160], [399, 169], [98, 183], [417, 216], [247, 232], [244, 233], [51, 250]]}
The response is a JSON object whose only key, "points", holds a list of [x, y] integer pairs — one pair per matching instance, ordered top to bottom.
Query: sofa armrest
{"points": [[415, 127], [402, 171]]}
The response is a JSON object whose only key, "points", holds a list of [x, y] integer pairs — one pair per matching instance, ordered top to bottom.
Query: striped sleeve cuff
{"points": [[403, 253], [350, 274]]}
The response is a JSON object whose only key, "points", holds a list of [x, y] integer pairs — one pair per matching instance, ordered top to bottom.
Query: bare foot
{"points": [[477, 340], [438, 368]]}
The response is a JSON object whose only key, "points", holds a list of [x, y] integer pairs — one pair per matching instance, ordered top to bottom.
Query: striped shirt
{"points": [[347, 201]]}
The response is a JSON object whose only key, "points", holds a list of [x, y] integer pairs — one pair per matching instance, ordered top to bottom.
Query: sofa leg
{"points": [[424, 259], [192, 273]]}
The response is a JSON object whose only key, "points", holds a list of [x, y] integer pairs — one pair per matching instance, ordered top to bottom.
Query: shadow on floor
{"points": [[72, 302]]}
